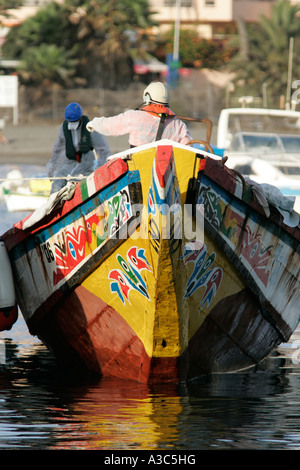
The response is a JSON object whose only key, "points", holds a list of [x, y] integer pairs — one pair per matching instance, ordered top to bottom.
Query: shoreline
{"points": [[33, 143], [27, 144]]}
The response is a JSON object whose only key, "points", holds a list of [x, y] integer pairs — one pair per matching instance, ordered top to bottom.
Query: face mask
{"points": [[73, 125]]}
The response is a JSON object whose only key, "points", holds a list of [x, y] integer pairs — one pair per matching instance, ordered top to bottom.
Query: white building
{"points": [[209, 16]]}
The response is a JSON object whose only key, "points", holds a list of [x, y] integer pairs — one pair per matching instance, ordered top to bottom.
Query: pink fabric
{"points": [[141, 126]]}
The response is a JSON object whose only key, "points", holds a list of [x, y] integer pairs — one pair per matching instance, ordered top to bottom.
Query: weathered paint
{"points": [[261, 250], [61, 253], [152, 307]]}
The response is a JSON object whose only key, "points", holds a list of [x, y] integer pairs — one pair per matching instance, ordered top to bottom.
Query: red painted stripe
{"points": [[163, 163], [202, 164], [103, 177], [86, 326]]}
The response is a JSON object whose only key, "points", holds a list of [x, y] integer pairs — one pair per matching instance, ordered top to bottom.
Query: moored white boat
{"points": [[263, 144], [24, 194]]}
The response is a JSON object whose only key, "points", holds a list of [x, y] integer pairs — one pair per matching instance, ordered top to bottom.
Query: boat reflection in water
{"points": [[43, 408]]}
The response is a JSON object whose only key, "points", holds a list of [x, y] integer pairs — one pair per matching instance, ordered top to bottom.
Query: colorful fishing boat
{"points": [[161, 266]]}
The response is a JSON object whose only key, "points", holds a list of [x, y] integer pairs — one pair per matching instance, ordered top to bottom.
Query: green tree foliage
{"points": [[103, 32], [88, 39], [44, 44], [197, 52], [266, 58], [48, 64]]}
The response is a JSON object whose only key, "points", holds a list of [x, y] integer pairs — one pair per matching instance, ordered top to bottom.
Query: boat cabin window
{"points": [[246, 142], [291, 143]]}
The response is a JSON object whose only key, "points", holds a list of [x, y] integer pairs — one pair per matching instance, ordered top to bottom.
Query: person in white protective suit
{"points": [[152, 121], [73, 152]]}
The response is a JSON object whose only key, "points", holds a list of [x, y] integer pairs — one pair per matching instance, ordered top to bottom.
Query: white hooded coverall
{"points": [[141, 126], [61, 166]]}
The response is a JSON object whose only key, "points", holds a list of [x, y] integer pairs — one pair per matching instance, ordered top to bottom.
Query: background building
{"points": [[209, 17]]}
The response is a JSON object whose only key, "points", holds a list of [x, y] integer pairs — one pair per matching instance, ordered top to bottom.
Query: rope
{"points": [[68, 177]]}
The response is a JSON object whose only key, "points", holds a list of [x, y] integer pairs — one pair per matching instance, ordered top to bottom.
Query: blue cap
{"points": [[73, 112]]}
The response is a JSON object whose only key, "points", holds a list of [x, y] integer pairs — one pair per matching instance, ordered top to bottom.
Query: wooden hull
{"points": [[116, 283]]}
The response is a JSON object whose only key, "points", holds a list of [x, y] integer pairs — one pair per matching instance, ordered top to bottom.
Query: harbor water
{"points": [[42, 408]]}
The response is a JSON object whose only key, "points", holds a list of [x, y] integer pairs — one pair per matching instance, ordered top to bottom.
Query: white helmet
{"points": [[156, 92]]}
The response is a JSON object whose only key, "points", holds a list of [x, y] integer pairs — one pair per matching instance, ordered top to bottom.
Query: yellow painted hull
{"points": [[153, 289]]}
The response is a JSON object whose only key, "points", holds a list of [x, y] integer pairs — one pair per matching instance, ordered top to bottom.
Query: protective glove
{"points": [[89, 126]]}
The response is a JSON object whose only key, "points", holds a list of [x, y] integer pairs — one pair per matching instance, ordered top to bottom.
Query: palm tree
{"points": [[103, 32], [91, 37], [43, 44], [267, 54], [47, 64]]}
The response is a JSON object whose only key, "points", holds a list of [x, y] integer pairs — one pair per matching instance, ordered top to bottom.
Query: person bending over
{"points": [[73, 152]]}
